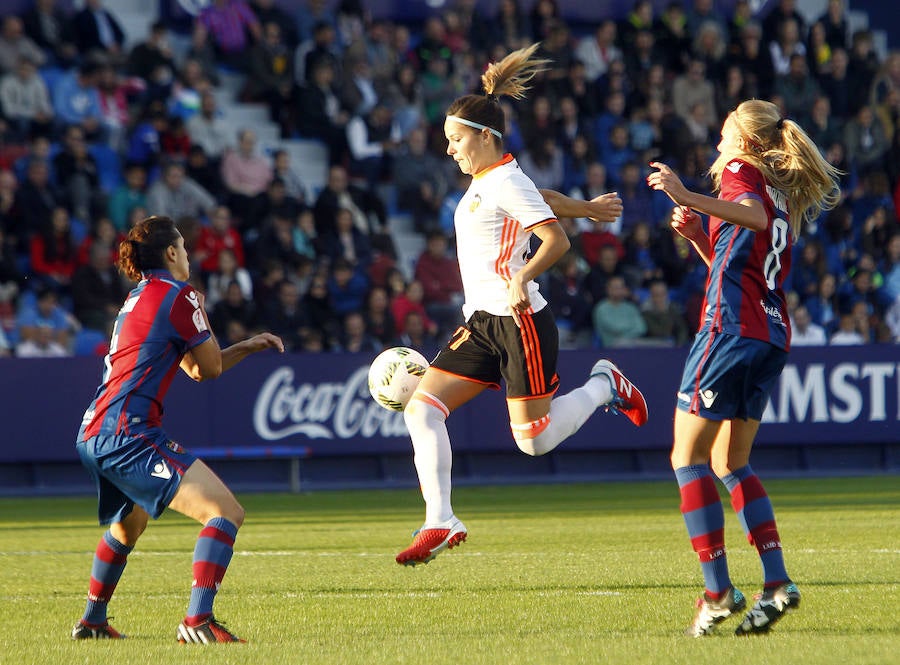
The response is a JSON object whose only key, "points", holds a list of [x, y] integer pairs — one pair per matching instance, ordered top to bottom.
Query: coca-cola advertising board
{"points": [[839, 395]]}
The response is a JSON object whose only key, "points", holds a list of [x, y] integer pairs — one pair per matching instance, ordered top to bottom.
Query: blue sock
{"points": [[754, 511], [705, 521], [212, 554], [109, 562]]}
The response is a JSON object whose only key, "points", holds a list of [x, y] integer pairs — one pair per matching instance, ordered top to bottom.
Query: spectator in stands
{"points": [[785, 10], [268, 11], [834, 21], [226, 24], [49, 27], [510, 27], [97, 29], [788, 44], [15, 45], [320, 46], [710, 46], [598, 49], [818, 51], [752, 54], [640, 58], [152, 59], [861, 69], [270, 77], [187, 89], [691, 89], [798, 89], [76, 100], [25, 101], [319, 115], [823, 127], [207, 128], [372, 140], [865, 140], [145, 141], [618, 153], [283, 170], [246, 175], [78, 177], [175, 195], [127, 196], [35, 200], [637, 200], [275, 201], [368, 211], [102, 233], [218, 236], [345, 241], [53, 252], [608, 265], [889, 267], [228, 270], [438, 273], [347, 287], [97, 290], [571, 304], [232, 305], [45, 311], [284, 315], [378, 316], [664, 319], [617, 320], [852, 329], [803, 331], [354, 337], [41, 345], [5, 346]]}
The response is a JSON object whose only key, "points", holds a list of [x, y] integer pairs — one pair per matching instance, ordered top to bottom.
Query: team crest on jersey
{"points": [[734, 167], [473, 206], [194, 299], [175, 447]]}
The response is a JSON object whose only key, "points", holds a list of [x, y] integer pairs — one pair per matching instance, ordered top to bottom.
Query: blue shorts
{"points": [[728, 376], [143, 469]]}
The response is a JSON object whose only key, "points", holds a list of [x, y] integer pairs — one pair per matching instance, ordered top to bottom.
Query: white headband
{"points": [[476, 125]]}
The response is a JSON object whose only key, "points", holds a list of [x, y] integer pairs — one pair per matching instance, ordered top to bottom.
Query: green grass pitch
{"points": [[590, 573]]}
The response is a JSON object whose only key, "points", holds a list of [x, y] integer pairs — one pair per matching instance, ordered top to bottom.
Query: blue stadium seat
{"points": [[108, 165], [87, 341]]}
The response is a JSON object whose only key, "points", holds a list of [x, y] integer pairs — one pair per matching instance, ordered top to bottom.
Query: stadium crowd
{"points": [[94, 137]]}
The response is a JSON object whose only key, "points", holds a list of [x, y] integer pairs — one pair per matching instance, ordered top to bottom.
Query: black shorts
{"points": [[489, 348]]}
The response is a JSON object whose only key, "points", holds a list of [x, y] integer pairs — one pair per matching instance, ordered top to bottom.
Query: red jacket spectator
{"points": [[214, 238], [438, 272]]}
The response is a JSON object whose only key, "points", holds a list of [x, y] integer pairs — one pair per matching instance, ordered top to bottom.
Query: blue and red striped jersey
{"points": [[743, 291], [160, 321]]}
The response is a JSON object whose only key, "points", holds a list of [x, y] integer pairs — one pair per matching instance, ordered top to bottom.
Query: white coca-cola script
{"points": [[322, 410]]}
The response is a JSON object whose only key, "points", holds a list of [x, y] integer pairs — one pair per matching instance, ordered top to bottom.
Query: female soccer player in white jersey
{"points": [[509, 332]]}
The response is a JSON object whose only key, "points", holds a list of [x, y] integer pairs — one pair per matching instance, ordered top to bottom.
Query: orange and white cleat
{"points": [[626, 398], [429, 541]]}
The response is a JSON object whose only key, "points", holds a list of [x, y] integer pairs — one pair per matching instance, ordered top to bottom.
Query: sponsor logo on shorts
{"points": [[708, 397]]}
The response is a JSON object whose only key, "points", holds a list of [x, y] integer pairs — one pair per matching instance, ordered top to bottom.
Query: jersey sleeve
{"points": [[740, 181], [520, 199], [186, 317]]}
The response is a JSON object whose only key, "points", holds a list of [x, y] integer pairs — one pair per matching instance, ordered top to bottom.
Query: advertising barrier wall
{"points": [[830, 395]]}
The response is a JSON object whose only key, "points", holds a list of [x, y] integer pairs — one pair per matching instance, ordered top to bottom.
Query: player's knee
{"points": [[424, 411], [531, 438], [236, 515]]}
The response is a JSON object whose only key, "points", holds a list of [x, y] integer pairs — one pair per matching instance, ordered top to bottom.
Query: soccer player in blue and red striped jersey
{"points": [[771, 180], [138, 469]]}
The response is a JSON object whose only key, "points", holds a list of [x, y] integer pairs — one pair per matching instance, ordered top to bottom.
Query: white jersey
{"points": [[494, 221]]}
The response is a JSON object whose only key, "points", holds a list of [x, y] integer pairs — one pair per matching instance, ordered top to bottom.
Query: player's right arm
{"points": [[604, 208]]}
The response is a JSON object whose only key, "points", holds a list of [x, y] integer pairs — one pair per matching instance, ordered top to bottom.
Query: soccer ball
{"points": [[394, 375]]}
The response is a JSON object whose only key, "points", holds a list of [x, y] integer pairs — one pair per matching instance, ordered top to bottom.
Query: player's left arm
{"points": [[604, 208], [748, 212], [208, 360]]}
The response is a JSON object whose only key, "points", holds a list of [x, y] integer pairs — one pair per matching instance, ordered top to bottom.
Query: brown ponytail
{"points": [[509, 77], [144, 248]]}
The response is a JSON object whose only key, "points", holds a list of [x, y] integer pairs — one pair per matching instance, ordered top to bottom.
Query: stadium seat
{"points": [[108, 165], [87, 341]]}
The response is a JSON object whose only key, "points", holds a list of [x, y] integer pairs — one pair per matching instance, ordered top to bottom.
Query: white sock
{"points": [[599, 389], [567, 414], [427, 427]]}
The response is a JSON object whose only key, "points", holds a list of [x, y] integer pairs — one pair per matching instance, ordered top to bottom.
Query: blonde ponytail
{"points": [[788, 159]]}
